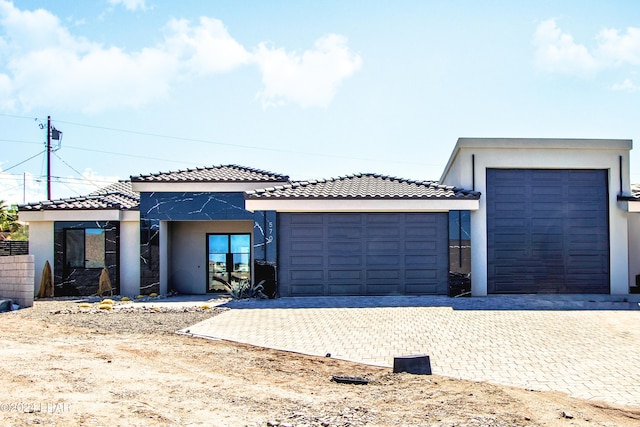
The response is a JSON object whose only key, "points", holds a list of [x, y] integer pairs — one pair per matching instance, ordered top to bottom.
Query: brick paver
{"points": [[588, 347]]}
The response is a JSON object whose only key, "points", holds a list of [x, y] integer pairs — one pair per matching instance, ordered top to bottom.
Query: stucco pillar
{"points": [[41, 247]]}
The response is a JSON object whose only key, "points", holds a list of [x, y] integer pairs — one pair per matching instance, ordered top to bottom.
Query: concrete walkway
{"points": [[586, 346]]}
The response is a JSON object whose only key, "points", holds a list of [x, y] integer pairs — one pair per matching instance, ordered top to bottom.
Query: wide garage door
{"points": [[547, 231], [362, 253]]}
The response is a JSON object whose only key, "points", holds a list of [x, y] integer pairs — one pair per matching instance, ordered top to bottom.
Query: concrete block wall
{"points": [[17, 279]]}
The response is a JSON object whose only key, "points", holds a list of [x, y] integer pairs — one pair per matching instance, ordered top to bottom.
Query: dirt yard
{"points": [[60, 366]]}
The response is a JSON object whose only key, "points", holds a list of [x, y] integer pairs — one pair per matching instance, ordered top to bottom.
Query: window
{"points": [[460, 242], [84, 247]]}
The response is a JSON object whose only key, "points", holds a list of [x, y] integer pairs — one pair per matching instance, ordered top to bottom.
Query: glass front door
{"points": [[229, 257]]}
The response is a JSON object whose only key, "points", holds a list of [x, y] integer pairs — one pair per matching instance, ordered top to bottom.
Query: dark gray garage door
{"points": [[548, 231], [362, 253]]}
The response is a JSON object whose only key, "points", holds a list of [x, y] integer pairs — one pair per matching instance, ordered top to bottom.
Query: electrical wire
{"points": [[19, 117], [204, 141], [20, 142], [226, 144], [126, 155], [24, 161], [73, 169]]}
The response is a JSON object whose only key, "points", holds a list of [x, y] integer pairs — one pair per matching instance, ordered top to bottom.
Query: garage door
{"points": [[548, 231], [362, 254]]}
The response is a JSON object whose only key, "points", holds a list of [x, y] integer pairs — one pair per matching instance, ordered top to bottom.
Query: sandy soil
{"points": [[59, 366]]}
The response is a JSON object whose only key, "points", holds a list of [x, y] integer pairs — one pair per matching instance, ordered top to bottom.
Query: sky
{"points": [[309, 89]]}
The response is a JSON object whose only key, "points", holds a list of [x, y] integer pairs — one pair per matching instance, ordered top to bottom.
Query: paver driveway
{"points": [[586, 346]]}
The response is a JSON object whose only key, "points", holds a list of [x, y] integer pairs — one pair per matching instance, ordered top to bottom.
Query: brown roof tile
{"points": [[222, 173], [363, 186], [115, 196]]}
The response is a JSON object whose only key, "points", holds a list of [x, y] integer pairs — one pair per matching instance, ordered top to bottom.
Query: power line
{"points": [[19, 117], [203, 141], [20, 142], [226, 144], [126, 155], [24, 161], [73, 169]]}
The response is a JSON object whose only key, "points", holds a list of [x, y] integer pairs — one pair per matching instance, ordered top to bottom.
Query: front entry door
{"points": [[229, 258]]}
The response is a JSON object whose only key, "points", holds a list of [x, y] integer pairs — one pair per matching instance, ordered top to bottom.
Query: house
{"points": [[539, 216]]}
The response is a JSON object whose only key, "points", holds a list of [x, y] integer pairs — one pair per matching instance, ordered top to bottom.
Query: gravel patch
{"points": [[124, 317]]}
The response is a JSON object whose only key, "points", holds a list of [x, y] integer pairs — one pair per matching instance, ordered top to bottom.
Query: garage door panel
{"points": [[514, 189], [546, 190], [508, 207], [546, 208], [382, 218], [307, 219], [343, 219], [513, 223], [547, 223], [426, 231], [307, 232], [382, 232], [347, 233], [564, 233], [513, 238], [588, 239], [308, 246], [383, 246], [420, 246], [344, 247], [363, 253], [509, 254], [307, 260], [380, 260], [420, 260], [338, 261], [383, 274], [420, 274], [309, 275], [343, 275]]}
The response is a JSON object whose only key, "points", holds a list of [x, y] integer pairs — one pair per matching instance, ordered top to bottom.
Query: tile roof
{"points": [[221, 173], [363, 186], [115, 196]]}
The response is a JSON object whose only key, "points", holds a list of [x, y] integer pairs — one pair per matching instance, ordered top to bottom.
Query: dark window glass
{"points": [[74, 248], [84, 248]]}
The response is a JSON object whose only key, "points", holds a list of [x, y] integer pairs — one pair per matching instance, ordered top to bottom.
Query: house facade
{"points": [[520, 215]]}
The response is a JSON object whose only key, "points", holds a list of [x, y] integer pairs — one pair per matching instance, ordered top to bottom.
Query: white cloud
{"points": [[132, 5], [206, 48], [617, 49], [556, 51], [46, 65], [310, 79], [626, 86], [6, 100], [90, 182]]}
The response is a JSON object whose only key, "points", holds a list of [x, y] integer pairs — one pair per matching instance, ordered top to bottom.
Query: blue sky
{"points": [[308, 89]]}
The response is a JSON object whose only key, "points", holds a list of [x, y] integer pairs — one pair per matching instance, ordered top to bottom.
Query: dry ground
{"points": [[61, 366]]}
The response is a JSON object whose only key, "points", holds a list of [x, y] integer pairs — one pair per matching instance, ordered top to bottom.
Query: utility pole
{"points": [[55, 134], [48, 157]]}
